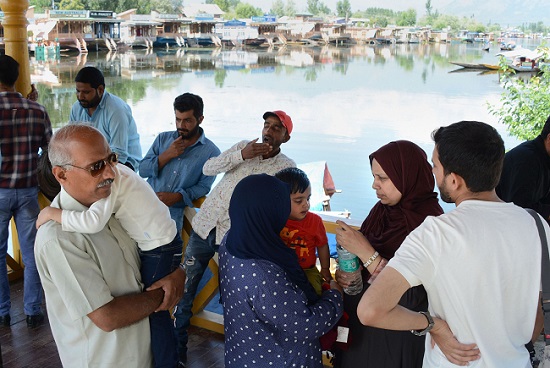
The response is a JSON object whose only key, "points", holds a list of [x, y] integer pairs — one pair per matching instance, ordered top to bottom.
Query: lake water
{"points": [[345, 102]]}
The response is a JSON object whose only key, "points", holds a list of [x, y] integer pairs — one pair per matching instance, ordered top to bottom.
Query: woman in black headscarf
{"points": [[404, 183], [272, 315]]}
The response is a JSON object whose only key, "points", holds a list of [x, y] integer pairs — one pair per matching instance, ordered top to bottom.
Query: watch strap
{"points": [[427, 329]]}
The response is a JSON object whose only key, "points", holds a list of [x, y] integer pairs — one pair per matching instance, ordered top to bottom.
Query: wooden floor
{"points": [[25, 348]]}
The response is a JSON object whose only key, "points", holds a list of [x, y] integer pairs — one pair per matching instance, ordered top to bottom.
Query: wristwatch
{"points": [[427, 329]]}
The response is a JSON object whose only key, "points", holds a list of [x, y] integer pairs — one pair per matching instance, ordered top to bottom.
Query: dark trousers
{"points": [[155, 264]]}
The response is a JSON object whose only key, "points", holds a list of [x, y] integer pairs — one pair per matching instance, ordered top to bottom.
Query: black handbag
{"points": [[545, 280]]}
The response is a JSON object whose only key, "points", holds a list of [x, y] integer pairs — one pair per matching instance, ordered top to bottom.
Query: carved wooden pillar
{"points": [[15, 38]]}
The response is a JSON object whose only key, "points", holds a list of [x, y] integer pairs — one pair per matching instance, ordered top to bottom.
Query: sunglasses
{"points": [[98, 167]]}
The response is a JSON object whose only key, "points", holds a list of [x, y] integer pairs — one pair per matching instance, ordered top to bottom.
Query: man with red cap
{"points": [[212, 221]]}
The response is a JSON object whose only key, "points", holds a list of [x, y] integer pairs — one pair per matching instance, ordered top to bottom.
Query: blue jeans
{"points": [[22, 204], [197, 255], [155, 264]]}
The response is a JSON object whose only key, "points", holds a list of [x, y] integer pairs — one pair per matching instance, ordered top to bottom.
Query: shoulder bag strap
{"points": [[545, 274]]}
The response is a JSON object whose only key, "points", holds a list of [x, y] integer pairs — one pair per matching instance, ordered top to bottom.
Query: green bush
{"points": [[524, 104]]}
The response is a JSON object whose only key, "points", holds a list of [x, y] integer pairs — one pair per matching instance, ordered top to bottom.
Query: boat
{"points": [[254, 41], [507, 46], [524, 60], [476, 66], [525, 67]]}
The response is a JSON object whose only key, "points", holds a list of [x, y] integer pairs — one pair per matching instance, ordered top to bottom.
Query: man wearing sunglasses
{"points": [[109, 114], [25, 128], [92, 281]]}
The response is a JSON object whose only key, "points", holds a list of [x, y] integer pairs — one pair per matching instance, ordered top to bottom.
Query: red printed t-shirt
{"points": [[304, 236]]}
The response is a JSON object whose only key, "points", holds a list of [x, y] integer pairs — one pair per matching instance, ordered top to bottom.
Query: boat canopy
{"points": [[521, 52]]}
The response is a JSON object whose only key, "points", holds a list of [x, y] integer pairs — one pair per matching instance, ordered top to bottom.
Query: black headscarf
{"points": [[259, 208]]}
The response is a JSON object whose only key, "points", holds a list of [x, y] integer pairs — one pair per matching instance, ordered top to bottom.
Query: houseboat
{"points": [[77, 30], [138, 30]]}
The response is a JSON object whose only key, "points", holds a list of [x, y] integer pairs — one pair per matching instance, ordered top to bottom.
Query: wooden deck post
{"points": [[15, 38]]}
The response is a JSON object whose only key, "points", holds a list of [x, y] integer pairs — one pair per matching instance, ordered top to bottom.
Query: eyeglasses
{"points": [[98, 167]]}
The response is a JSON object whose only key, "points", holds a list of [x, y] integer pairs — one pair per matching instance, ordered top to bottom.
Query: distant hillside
{"points": [[503, 12]]}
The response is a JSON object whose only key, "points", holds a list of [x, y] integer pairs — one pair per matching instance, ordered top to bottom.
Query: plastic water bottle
{"points": [[349, 264]]}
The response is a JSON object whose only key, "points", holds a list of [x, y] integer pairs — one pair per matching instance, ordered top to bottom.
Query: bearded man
{"points": [[107, 113], [173, 165]]}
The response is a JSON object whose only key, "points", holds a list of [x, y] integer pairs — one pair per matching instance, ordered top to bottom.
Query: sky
{"points": [[301, 5]]}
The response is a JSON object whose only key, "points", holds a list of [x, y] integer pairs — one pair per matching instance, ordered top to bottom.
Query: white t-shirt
{"points": [[135, 204], [480, 265]]}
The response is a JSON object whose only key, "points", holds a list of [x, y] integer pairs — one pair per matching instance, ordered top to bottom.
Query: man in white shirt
{"points": [[212, 221], [480, 263], [96, 306]]}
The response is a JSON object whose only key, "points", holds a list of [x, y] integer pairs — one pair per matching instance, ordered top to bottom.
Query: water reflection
{"points": [[129, 73], [345, 102]]}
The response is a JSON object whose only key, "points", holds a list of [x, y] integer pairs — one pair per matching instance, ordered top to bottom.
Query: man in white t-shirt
{"points": [[480, 263]]}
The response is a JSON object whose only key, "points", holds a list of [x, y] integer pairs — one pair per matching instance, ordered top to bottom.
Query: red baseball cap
{"points": [[285, 119]]}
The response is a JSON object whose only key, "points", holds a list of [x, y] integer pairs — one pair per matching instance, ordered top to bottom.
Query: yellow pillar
{"points": [[15, 38]]}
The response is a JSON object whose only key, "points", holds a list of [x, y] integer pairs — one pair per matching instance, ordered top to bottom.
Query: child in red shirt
{"points": [[304, 231]]}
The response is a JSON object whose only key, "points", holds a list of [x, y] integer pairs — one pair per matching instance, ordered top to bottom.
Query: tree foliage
{"points": [[223, 4], [41, 5], [71, 5], [142, 6], [165, 6], [317, 7], [277, 8], [290, 8], [343, 8], [429, 8], [245, 10], [324, 10], [406, 18], [538, 27], [524, 104]]}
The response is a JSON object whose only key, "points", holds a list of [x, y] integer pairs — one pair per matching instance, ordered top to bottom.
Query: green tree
{"points": [[223, 4], [41, 5], [71, 5], [100, 5], [164, 6], [313, 6], [316, 7], [277, 8], [290, 8], [343, 8], [429, 8], [323, 9], [245, 10], [406, 18], [380, 21], [524, 105]]}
